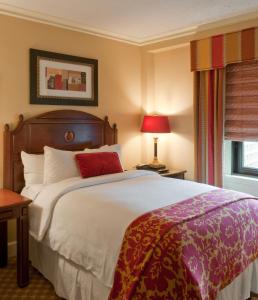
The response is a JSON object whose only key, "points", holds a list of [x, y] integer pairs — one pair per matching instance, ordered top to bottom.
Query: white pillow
{"points": [[107, 148], [59, 165], [33, 168], [32, 191]]}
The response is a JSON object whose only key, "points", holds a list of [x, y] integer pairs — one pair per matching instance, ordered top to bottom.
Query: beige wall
{"points": [[119, 78], [168, 81], [174, 97]]}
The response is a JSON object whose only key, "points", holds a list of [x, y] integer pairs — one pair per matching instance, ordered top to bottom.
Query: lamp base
{"points": [[156, 164]]}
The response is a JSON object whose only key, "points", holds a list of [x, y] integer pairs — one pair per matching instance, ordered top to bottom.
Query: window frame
{"points": [[237, 161]]}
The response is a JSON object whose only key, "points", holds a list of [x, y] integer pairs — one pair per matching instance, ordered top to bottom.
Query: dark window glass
{"points": [[245, 158]]}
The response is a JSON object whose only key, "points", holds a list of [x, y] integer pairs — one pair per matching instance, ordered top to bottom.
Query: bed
{"points": [[78, 225]]}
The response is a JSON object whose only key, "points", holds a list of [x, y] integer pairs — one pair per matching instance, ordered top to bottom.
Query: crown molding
{"points": [[21, 13], [34, 16], [232, 19], [170, 36], [169, 48]]}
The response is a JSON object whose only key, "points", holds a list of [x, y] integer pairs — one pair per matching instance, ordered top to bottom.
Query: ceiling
{"points": [[136, 21]]}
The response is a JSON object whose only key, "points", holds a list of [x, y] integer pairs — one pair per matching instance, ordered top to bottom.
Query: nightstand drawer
{"points": [[179, 174], [7, 214]]}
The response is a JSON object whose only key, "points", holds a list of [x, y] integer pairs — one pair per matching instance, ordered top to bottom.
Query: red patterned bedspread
{"points": [[189, 250]]}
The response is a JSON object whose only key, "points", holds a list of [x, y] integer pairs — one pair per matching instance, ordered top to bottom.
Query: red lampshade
{"points": [[155, 124]]}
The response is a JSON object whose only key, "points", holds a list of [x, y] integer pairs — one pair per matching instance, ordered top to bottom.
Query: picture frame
{"points": [[60, 79]]}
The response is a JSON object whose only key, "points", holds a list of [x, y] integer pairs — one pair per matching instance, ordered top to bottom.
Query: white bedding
{"points": [[32, 191], [91, 215], [84, 220], [75, 283]]}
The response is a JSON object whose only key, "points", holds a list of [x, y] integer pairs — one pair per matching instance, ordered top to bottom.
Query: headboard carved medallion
{"points": [[61, 129], [69, 136]]}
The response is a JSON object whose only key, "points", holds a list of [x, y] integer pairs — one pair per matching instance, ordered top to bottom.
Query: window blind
{"points": [[241, 103]]}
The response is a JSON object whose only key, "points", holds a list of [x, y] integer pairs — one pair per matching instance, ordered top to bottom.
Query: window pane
{"points": [[250, 153]]}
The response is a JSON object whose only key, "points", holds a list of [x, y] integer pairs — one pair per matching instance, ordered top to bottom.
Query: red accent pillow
{"points": [[96, 164]]}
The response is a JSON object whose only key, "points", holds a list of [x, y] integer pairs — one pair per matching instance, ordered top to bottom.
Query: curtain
{"points": [[221, 50], [210, 58], [208, 98], [241, 114]]}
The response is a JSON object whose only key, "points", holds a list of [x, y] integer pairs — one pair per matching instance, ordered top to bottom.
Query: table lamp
{"points": [[155, 124]]}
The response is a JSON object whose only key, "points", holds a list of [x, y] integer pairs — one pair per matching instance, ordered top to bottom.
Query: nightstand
{"points": [[180, 174], [13, 205]]}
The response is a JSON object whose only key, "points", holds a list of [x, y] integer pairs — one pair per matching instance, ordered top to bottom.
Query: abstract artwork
{"points": [[62, 79]]}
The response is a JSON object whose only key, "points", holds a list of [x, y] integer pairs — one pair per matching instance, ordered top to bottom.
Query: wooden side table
{"points": [[179, 174], [13, 205]]}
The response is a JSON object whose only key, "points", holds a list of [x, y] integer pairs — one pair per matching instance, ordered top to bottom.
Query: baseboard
{"points": [[12, 248], [254, 294]]}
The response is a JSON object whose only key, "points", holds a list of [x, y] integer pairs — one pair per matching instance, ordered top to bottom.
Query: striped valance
{"points": [[218, 51], [241, 114]]}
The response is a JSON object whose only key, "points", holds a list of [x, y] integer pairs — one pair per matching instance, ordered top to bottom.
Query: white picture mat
{"points": [[44, 92]]}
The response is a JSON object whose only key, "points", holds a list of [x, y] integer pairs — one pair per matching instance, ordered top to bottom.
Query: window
{"points": [[241, 116], [245, 158]]}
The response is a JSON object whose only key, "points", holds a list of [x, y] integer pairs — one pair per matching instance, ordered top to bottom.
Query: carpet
{"points": [[38, 289]]}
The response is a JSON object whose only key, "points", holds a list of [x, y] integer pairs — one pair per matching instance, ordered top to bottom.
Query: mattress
{"points": [[76, 238], [75, 283]]}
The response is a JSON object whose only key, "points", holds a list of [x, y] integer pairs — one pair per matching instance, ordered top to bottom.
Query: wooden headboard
{"points": [[62, 129]]}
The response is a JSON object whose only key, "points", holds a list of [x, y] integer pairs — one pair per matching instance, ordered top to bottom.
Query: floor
{"points": [[38, 289]]}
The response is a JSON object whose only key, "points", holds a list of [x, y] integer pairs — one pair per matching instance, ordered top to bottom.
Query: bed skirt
{"points": [[75, 283]]}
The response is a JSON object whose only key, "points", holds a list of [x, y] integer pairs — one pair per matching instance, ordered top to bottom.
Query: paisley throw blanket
{"points": [[190, 250]]}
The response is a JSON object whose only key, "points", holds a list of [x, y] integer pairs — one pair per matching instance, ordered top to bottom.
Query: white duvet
{"points": [[85, 219]]}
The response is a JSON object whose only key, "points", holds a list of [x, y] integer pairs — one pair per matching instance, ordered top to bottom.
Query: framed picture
{"points": [[62, 79]]}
